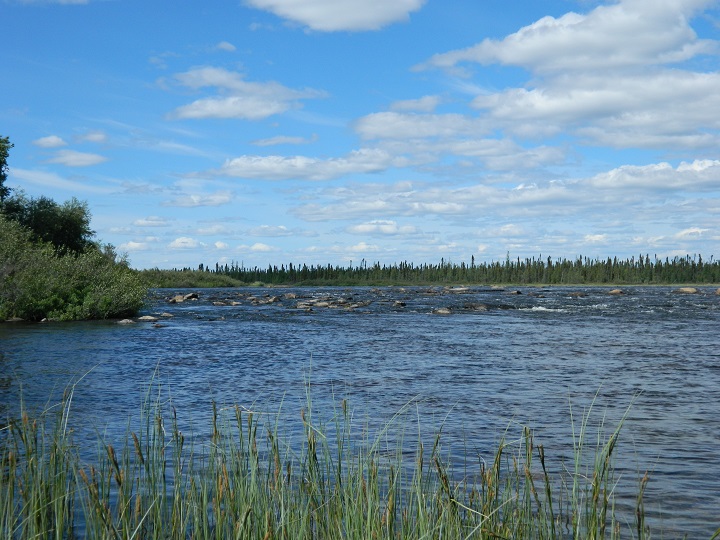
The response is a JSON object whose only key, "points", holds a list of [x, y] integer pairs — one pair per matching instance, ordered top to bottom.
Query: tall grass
{"points": [[247, 479]]}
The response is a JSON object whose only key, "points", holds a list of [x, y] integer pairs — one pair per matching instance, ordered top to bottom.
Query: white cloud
{"points": [[338, 15], [630, 33], [225, 46], [611, 77], [239, 98], [423, 104], [635, 110], [394, 125], [93, 136], [283, 139], [51, 141], [72, 158], [366, 160], [700, 175], [55, 181], [640, 191], [193, 200], [151, 221], [381, 227], [213, 229], [270, 230], [692, 232], [595, 238], [185, 242], [221, 245], [134, 246], [257, 247], [363, 247]]}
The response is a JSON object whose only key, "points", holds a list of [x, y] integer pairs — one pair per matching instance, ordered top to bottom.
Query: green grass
{"points": [[246, 480]]}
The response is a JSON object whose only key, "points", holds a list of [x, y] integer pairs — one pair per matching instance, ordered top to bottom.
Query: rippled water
{"points": [[495, 362]]}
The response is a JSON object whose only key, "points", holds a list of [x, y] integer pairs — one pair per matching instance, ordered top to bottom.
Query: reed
{"points": [[248, 479]]}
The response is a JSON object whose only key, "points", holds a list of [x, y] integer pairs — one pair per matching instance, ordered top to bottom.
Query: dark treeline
{"points": [[640, 270]]}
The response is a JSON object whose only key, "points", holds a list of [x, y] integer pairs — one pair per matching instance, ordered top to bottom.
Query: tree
{"points": [[5, 146], [66, 226]]}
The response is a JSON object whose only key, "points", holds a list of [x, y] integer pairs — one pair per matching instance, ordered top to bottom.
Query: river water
{"points": [[478, 362]]}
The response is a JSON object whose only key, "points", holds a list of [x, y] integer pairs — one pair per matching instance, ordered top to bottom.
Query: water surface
{"points": [[488, 363]]}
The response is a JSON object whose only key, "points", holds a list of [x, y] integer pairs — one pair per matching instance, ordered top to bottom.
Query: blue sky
{"points": [[330, 131]]}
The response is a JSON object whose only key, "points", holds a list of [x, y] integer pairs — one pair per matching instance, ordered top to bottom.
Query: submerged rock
{"points": [[616, 292], [442, 311], [147, 318], [126, 321]]}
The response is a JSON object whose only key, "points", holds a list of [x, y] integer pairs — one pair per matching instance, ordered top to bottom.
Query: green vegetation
{"points": [[5, 146], [66, 226], [51, 266], [640, 270], [187, 279], [38, 282], [248, 482]]}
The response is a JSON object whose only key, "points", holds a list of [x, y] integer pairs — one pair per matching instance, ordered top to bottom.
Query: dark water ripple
{"points": [[496, 362]]}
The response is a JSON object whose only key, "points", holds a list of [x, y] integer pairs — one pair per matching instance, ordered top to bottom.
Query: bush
{"points": [[37, 282]]}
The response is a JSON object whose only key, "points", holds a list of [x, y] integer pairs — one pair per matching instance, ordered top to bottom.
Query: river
{"points": [[480, 362]]}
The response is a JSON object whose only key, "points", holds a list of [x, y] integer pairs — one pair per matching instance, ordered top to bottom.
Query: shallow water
{"points": [[496, 362]]}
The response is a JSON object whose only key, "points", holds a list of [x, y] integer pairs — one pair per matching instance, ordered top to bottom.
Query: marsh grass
{"points": [[247, 480]]}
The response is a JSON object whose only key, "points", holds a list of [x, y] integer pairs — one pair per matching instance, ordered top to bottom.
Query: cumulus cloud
{"points": [[339, 15], [630, 33], [613, 76], [237, 97], [624, 110], [395, 125], [51, 141], [72, 158], [366, 160], [697, 176], [616, 192], [193, 200], [152, 221], [381, 227], [270, 230], [692, 232], [595, 238], [185, 242], [221, 245], [134, 246], [257, 247], [364, 247]]}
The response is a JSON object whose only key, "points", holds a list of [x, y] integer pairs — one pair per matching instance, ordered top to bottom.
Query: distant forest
{"points": [[582, 270]]}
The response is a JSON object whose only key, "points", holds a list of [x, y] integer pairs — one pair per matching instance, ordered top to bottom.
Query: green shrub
{"points": [[37, 282]]}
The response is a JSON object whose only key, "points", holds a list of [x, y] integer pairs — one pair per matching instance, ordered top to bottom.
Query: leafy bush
{"points": [[37, 282]]}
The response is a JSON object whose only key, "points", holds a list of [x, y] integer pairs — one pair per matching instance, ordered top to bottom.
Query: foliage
{"points": [[5, 146], [66, 226], [539, 271], [156, 278], [37, 282], [334, 481]]}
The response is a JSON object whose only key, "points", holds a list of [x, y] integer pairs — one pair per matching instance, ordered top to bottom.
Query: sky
{"points": [[267, 132]]}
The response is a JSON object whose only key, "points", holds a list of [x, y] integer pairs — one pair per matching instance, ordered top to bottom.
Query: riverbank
{"points": [[196, 279]]}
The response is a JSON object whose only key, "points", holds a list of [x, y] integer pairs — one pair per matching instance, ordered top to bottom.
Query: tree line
{"points": [[51, 264], [535, 270]]}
